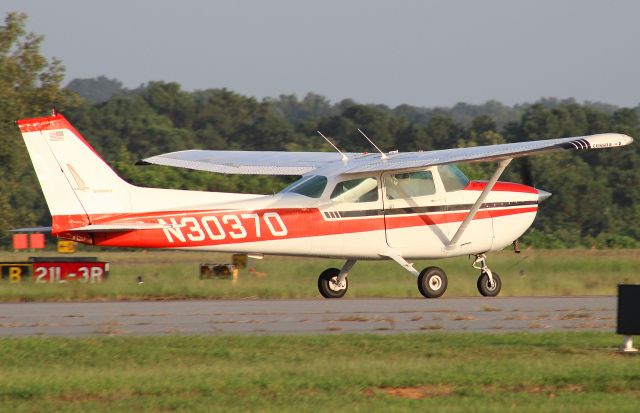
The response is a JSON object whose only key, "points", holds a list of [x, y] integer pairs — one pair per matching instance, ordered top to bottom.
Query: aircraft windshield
{"points": [[452, 178], [311, 186]]}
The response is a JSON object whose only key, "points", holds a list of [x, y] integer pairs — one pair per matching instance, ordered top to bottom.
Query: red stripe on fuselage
{"points": [[210, 228]]}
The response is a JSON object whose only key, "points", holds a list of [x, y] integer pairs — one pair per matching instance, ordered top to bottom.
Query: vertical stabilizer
{"points": [[77, 183]]}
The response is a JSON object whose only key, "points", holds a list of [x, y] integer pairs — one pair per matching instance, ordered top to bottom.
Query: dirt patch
{"points": [[575, 315], [460, 317], [353, 318], [432, 327], [109, 328], [548, 390], [552, 391], [414, 393], [114, 396]]}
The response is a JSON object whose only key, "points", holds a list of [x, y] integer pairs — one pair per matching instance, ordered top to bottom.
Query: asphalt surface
{"points": [[308, 316]]}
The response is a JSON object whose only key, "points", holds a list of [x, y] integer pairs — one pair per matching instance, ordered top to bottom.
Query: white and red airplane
{"points": [[399, 206]]}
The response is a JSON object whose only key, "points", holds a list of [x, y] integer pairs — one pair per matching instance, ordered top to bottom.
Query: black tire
{"points": [[432, 282], [326, 284], [487, 290]]}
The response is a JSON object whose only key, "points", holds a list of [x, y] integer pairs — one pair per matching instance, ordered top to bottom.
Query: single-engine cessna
{"points": [[352, 206]]}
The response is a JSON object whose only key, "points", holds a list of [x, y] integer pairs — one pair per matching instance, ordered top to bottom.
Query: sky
{"points": [[425, 53]]}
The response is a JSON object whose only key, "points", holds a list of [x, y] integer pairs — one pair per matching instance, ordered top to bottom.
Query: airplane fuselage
{"points": [[293, 224]]}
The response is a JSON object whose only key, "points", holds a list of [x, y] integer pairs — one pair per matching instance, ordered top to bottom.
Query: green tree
{"points": [[29, 87], [96, 90], [312, 106]]}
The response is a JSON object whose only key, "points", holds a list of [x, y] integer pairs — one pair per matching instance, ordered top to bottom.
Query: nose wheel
{"points": [[489, 282], [488, 288]]}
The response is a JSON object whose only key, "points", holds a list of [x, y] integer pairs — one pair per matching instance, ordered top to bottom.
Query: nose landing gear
{"points": [[489, 282]]}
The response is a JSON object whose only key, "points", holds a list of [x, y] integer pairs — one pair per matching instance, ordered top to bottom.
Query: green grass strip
{"points": [[569, 372]]}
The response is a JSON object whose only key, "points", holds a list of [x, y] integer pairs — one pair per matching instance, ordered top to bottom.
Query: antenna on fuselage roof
{"points": [[382, 154], [344, 157]]}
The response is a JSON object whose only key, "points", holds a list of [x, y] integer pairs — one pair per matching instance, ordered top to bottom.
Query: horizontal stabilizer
{"points": [[118, 227], [30, 230]]}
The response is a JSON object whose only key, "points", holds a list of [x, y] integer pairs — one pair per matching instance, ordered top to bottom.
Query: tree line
{"points": [[596, 193]]}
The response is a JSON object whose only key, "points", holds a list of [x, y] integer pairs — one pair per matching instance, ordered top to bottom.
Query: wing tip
{"points": [[608, 140], [598, 141]]}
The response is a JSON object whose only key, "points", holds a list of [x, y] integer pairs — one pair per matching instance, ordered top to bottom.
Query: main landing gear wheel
{"points": [[432, 282], [329, 284], [487, 288]]}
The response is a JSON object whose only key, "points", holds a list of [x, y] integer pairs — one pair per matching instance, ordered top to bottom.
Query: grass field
{"points": [[173, 275], [568, 372]]}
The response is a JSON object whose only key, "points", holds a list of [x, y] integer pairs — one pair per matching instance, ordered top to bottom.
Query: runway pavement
{"points": [[308, 316]]}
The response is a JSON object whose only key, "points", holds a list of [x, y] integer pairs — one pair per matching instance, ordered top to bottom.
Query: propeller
{"points": [[525, 172]]}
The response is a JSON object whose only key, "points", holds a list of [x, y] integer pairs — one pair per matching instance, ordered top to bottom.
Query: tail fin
{"points": [[77, 183]]}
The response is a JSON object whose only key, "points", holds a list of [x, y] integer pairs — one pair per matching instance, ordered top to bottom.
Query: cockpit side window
{"points": [[452, 178], [409, 185], [312, 186], [356, 190]]}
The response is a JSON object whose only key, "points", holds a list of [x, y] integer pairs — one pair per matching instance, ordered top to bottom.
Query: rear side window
{"points": [[409, 185], [312, 187], [356, 190]]}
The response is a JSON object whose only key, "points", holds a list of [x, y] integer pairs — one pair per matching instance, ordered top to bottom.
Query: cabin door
{"points": [[415, 207]]}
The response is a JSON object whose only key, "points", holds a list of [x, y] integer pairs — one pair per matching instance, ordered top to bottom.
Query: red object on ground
{"points": [[36, 240], [20, 242]]}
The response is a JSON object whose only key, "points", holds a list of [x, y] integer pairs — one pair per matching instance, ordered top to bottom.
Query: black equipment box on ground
{"points": [[217, 270], [628, 309]]}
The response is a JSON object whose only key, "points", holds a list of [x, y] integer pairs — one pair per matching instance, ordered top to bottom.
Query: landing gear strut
{"points": [[432, 281], [333, 283], [489, 283]]}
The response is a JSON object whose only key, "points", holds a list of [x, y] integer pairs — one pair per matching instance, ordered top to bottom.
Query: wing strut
{"points": [[502, 165]]}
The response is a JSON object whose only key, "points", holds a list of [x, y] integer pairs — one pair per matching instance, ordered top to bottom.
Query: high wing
{"points": [[488, 153], [247, 162], [300, 163]]}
